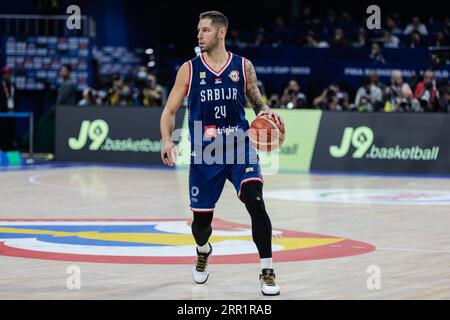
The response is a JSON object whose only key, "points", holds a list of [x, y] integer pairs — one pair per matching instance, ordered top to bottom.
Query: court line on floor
{"points": [[34, 180], [413, 250]]}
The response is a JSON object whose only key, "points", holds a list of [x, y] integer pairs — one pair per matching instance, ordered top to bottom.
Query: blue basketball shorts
{"points": [[206, 182]]}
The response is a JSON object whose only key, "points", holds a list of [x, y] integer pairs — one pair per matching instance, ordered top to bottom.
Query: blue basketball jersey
{"points": [[216, 99]]}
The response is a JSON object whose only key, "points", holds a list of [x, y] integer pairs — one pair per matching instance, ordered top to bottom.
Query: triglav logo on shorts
{"points": [[210, 131]]}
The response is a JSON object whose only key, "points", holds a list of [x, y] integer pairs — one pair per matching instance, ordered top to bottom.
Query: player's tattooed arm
{"points": [[253, 93]]}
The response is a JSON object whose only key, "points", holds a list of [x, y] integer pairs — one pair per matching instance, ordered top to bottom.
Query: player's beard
{"points": [[213, 45]]}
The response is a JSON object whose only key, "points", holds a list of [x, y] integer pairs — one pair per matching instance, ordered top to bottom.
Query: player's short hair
{"points": [[217, 18], [67, 66]]}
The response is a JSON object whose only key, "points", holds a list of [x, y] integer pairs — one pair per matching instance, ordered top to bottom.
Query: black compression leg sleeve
{"points": [[251, 195], [201, 227]]}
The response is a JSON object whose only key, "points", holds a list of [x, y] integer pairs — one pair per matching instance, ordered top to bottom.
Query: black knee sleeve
{"points": [[251, 195], [201, 227]]}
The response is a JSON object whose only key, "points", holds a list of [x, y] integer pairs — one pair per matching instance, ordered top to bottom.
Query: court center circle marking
{"points": [[364, 196], [159, 241]]}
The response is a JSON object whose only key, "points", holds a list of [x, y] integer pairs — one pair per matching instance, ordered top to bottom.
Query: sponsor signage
{"points": [[109, 134], [380, 142]]}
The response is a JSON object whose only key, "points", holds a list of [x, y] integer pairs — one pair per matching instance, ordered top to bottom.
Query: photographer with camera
{"points": [[426, 92], [119, 94], [398, 95], [89, 97], [292, 97], [368, 97], [332, 98], [444, 99], [274, 101]]}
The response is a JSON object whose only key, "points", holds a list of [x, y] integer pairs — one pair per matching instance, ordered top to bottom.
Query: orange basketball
{"points": [[265, 134]]}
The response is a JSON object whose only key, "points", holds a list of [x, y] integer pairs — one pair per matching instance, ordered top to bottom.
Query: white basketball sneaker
{"points": [[200, 272], [268, 285]]}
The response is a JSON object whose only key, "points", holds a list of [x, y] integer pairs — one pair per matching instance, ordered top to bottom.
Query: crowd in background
{"points": [[309, 30], [342, 30], [141, 91], [417, 94], [424, 94]]}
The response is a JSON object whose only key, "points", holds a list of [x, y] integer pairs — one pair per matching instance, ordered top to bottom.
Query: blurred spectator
{"points": [[47, 7], [306, 15], [331, 17], [345, 17], [416, 25], [392, 26], [446, 26], [281, 33], [361, 38], [234, 39], [260, 39], [440, 39], [311, 40], [339, 40], [390, 40], [415, 40], [375, 53], [373, 76], [140, 80], [67, 90], [8, 92], [426, 92], [119, 94], [152, 94], [398, 96], [100, 97], [292, 97], [368, 97], [89, 98], [332, 99], [444, 99], [274, 101], [8, 102]]}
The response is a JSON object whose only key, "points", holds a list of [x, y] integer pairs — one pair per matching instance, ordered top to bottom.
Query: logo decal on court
{"points": [[364, 196], [167, 241]]}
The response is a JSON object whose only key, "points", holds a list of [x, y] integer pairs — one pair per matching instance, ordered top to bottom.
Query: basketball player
{"points": [[216, 83]]}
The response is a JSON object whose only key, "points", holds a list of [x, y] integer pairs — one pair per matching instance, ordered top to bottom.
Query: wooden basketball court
{"points": [[339, 236]]}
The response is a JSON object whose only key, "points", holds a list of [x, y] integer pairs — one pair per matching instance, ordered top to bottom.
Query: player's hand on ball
{"points": [[272, 115], [169, 153]]}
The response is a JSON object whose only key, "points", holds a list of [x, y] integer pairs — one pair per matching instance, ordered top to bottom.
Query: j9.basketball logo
{"points": [[96, 131], [361, 138]]}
